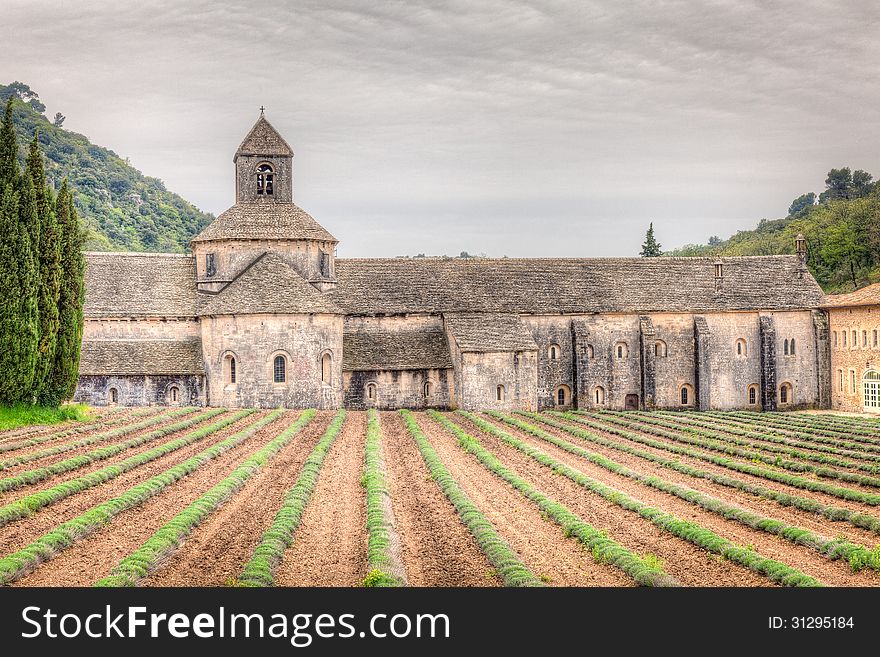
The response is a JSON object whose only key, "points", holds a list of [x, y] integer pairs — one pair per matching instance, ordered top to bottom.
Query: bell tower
{"points": [[263, 166]]}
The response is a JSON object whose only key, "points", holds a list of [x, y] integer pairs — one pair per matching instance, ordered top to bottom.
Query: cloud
{"points": [[518, 128]]}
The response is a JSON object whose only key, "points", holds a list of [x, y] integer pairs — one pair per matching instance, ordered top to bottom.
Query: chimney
{"points": [[800, 247], [719, 274]]}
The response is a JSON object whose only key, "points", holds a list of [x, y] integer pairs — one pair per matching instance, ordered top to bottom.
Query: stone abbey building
{"points": [[263, 314]]}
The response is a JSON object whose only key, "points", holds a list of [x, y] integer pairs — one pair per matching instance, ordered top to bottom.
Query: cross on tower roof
{"points": [[262, 109]]}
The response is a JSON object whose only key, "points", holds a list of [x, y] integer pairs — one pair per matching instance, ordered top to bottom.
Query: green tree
{"points": [[8, 149], [861, 183], [838, 185], [802, 204], [651, 247], [49, 276], [63, 377]]}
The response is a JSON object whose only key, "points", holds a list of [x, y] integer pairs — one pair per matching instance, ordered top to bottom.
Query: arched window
{"points": [[265, 179], [843, 333], [874, 333], [835, 338], [864, 338], [855, 339], [742, 347], [791, 347], [660, 349], [621, 350], [785, 351], [553, 352], [230, 367], [326, 368], [279, 369], [840, 381], [852, 382], [426, 389], [371, 392], [499, 393], [785, 393], [174, 394], [599, 395], [686, 395], [753, 395], [114, 396], [563, 396]]}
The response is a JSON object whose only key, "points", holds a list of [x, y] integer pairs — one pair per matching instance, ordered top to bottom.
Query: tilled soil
{"points": [[10, 496], [824, 498], [814, 522], [540, 543], [330, 545], [438, 550], [217, 551], [92, 558], [803, 558], [689, 564]]}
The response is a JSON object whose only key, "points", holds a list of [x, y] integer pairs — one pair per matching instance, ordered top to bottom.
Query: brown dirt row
{"points": [[55, 431], [762, 445], [45, 461], [705, 465], [9, 496], [753, 503], [21, 532], [539, 542], [330, 545], [437, 549], [217, 551], [92, 558], [691, 565], [835, 573]]}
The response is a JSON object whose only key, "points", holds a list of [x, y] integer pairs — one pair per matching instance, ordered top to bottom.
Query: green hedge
{"points": [[165, 541], [603, 548], [506, 561], [260, 570]]}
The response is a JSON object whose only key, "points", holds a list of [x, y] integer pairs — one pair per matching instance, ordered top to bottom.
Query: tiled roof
{"points": [[263, 139], [274, 220], [140, 284], [514, 285], [269, 286], [867, 296], [486, 332], [402, 350], [139, 357]]}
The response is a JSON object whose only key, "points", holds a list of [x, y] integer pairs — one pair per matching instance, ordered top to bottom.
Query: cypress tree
{"points": [[8, 150], [651, 247], [49, 276], [65, 370]]}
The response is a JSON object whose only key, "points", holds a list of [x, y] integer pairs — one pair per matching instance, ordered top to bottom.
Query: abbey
{"points": [[263, 314]]}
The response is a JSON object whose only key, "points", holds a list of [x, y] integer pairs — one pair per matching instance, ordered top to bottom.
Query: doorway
{"points": [[631, 403]]}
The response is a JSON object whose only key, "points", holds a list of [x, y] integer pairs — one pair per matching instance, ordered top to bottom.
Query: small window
{"points": [[265, 179], [210, 264], [874, 333], [844, 337], [835, 338], [864, 338], [855, 339], [786, 347], [742, 348], [791, 348], [660, 349], [621, 350], [590, 351], [554, 352], [326, 368], [279, 369], [230, 370], [840, 380], [852, 381], [426, 389], [371, 392], [499, 393], [785, 393], [174, 394], [599, 395], [686, 395], [753, 395], [114, 396], [563, 396]]}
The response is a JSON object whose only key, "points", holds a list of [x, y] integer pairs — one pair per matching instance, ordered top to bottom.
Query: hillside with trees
{"points": [[121, 209], [841, 224]]}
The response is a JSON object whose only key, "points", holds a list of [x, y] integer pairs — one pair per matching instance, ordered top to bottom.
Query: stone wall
{"points": [[231, 257], [254, 341], [852, 360], [482, 373], [553, 373], [399, 389], [147, 390]]}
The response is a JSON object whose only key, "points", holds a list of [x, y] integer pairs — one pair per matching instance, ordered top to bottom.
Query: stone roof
{"points": [[263, 139], [271, 220], [140, 284], [542, 285], [268, 286], [867, 296], [489, 332], [399, 350], [139, 357]]}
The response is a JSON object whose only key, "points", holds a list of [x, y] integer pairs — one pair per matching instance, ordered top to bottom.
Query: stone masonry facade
{"points": [[263, 314]]}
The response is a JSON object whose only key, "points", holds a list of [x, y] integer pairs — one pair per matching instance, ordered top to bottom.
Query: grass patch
{"points": [[25, 415]]}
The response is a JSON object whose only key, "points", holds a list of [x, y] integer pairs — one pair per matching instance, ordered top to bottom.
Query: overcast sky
{"points": [[511, 128]]}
